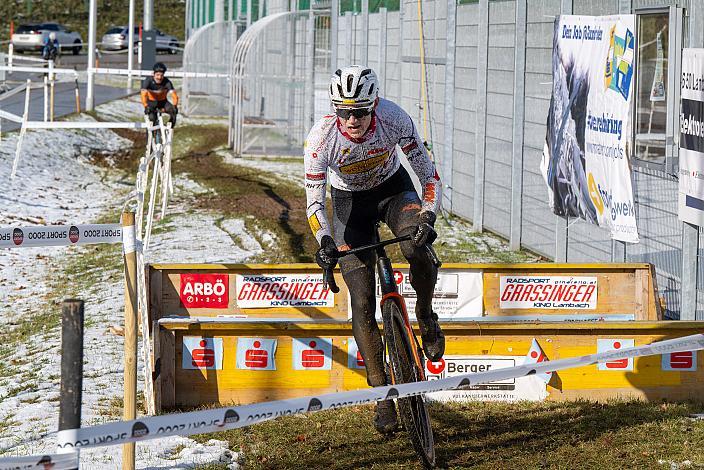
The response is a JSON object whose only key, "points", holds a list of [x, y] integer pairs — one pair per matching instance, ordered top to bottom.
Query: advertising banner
{"points": [[586, 155], [691, 185], [60, 235], [204, 290], [282, 290], [548, 292], [458, 294], [202, 353], [256, 353], [312, 353], [529, 388]]}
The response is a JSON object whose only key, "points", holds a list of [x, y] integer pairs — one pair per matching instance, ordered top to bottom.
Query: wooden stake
{"points": [[130, 392]]}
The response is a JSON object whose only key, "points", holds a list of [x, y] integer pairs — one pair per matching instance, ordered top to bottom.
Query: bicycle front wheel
{"points": [[405, 368]]}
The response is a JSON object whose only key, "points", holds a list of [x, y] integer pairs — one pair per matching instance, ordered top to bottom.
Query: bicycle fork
{"points": [[387, 281]]}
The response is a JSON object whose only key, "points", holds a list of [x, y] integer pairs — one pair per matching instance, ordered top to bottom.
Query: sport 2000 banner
{"points": [[586, 154]]}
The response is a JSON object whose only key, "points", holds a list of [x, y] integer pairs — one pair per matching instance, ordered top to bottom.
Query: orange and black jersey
{"points": [[153, 91]]}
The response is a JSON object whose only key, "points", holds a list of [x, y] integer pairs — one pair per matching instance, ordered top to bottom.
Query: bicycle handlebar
{"points": [[329, 278]]}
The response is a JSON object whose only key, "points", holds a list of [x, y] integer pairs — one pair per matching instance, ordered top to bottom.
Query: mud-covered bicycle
{"points": [[404, 354]]}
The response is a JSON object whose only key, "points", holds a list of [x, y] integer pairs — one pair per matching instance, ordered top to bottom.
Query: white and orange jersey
{"points": [[363, 164]]}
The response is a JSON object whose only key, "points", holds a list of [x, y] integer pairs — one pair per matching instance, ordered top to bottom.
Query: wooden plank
{"points": [[312, 266], [154, 283], [639, 297], [474, 328], [156, 366], [167, 367]]}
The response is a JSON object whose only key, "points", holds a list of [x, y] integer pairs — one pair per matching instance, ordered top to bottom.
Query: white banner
{"points": [[586, 157], [691, 181], [60, 235], [282, 290], [548, 292], [458, 294], [202, 353], [256, 353], [312, 353], [509, 389], [220, 419], [41, 462]]}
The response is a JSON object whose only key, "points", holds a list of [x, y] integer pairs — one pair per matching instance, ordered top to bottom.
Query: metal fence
{"points": [[209, 50], [488, 69], [280, 70], [487, 78]]}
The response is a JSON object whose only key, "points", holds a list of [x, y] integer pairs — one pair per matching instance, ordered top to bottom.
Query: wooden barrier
{"points": [[622, 289], [208, 324], [176, 386]]}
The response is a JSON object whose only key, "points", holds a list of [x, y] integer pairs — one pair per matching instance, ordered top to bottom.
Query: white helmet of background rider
{"points": [[52, 36], [354, 86]]}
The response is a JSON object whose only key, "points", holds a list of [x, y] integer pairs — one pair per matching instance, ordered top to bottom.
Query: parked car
{"points": [[31, 37], [116, 38], [166, 42]]}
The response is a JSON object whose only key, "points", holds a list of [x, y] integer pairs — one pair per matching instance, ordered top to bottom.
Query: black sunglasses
{"points": [[359, 113]]}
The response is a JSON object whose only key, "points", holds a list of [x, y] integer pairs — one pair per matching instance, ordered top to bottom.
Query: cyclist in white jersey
{"points": [[355, 149]]}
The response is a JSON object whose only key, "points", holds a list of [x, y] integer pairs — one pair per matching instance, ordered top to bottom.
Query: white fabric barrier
{"points": [[59, 235], [206, 421], [40, 462]]}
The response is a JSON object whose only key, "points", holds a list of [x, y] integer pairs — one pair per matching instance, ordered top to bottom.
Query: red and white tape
{"points": [[60, 235], [207, 421]]}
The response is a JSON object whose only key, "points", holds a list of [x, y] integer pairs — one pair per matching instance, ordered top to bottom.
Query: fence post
{"points": [[334, 31], [349, 32], [365, 33], [381, 71], [309, 101], [519, 112], [449, 151], [479, 159], [71, 366], [130, 390]]}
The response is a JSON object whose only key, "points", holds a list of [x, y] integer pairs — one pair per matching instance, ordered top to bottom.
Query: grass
{"points": [[619, 434]]}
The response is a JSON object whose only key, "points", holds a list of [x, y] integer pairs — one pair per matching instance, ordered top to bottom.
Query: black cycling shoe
{"points": [[433, 337], [385, 419]]}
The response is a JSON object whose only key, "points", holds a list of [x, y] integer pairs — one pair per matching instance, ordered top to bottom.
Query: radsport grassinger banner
{"points": [[587, 150]]}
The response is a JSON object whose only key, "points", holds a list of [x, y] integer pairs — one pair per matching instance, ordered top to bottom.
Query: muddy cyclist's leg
{"points": [[402, 217], [354, 221], [360, 282]]}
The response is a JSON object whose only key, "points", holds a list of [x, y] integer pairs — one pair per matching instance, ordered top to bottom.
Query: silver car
{"points": [[31, 37], [117, 38]]}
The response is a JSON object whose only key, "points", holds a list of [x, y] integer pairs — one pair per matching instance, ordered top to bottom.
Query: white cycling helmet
{"points": [[52, 35], [354, 87]]}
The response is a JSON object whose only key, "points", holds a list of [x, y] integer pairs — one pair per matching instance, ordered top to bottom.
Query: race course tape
{"points": [[60, 235], [206, 421], [54, 462]]}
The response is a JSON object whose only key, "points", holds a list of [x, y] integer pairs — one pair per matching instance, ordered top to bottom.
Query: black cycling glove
{"points": [[425, 233], [327, 254]]}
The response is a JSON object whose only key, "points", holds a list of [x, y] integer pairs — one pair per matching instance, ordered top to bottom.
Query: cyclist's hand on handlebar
{"points": [[425, 231], [327, 254]]}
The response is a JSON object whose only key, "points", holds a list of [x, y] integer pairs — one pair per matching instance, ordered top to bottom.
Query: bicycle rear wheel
{"points": [[414, 414]]}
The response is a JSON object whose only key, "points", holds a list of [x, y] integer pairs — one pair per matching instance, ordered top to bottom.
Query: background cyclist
{"points": [[155, 92], [357, 145]]}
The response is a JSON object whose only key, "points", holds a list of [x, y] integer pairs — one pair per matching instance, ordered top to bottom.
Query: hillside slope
{"points": [[169, 15]]}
